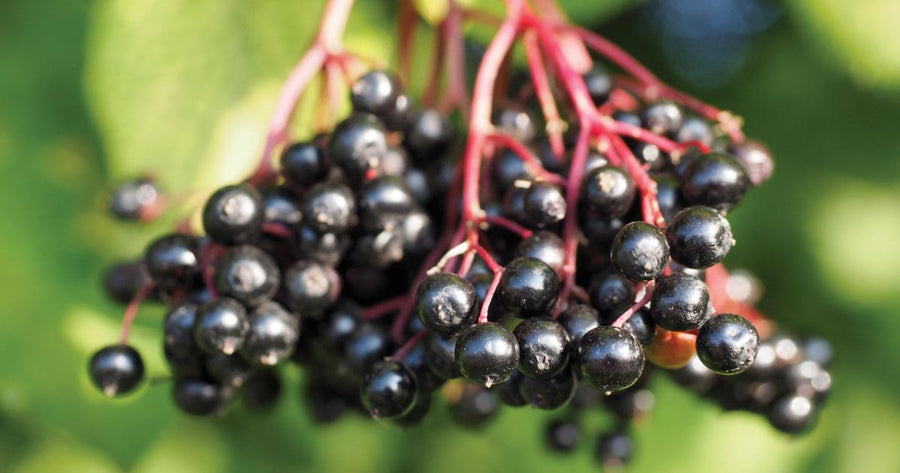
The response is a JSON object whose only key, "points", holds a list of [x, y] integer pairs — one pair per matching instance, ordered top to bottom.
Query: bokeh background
{"points": [[93, 92]]}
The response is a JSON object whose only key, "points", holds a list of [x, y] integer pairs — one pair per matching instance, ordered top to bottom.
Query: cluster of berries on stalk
{"points": [[521, 262]]}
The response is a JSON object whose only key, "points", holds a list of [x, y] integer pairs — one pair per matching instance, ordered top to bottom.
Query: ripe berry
{"points": [[598, 83], [374, 92], [400, 114], [662, 118], [514, 120], [695, 129], [428, 135], [357, 145], [651, 155], [756, 160], [303, 163], [508, 168], [716, 180], [608, 192], [668, 194], [135, 200], [383, 202], [544, 205], [280, 206], [329, 208], [233, 214], [600, 232], [417, 233], [699, 237], [545, 246], [326, 247], [378, 250], [640, 251], [172, 258], [247, 274], [122, 281], [311, 287], [528, 288], [609, 291], [679, 302], [445, 303], [578, 320], [641, 325], [221, 326], [337, 326], [178, 330], [272, 335], [727, 344], [543, 347], [364, 348], [487, 353], [440, 356], [610, 359], [417, 362], [116, 369], [228, 370], [695, 376], [388, 389], [508, 391], [549, 393], [199, 397], [792, 414], [562, 435], [614, 449]]}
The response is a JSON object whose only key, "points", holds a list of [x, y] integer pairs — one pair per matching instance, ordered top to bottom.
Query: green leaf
{"points": [[863, 37]]}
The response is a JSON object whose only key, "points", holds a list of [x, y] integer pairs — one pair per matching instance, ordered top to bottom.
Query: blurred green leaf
{"points": [[863, 36]]}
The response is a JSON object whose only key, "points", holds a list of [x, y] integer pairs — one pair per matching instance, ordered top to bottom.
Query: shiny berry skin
{"points": [[598, 83], [374, 92], [400, 114], [662, 118], [514, 120], [695, 129], [428, 135], [357, 145], [651, 155], [756, 159], [395, 162], [303, 163], [508, 168], [716, 180], [608, 192], [668, 194], [135, 200], [383, 202], [544, 205], [280, 206], [329, 208], [233, 214], [599, 231], [417, 232], [699, 237], [545, 246], [326, 247], [378, 250], [640, 252], [172, 258], [247, 274], [122, 281], [311, 287], [528, 288], [679, 302], [445, 303], [578, 320], [641, 325], [221, 326], [337, 326], [178, 330], [272, 335], [727, 344], [543, 347], [364, 348], [487, 353], [440, 356], [610, 359], [416, 360], [116, 369], [228, 370], [388, 389], [262, 390], [508, 391], [549, 393], [199, 397], [793, 414], [562, 435], [614, 449]]}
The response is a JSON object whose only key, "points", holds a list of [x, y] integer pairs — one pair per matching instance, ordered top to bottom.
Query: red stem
{"points": [[555, 124], [525, 154], [508, 224], [648, 293], [488, 297], [132, 309], [410, 344]]}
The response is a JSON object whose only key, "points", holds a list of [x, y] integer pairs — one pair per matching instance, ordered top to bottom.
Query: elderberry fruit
{"points": [[598, 83], [374, 92], [662, 118], [514, 120], [695, 129], [428, 135], [357, 145], [756, 159], [303, 163], [508, 168], [716, 180], [608, 192], [135, 200], [383, 202], [544, 205], [280, 206], [329, 208], [233, 214], [699, 237], [545, 246], [326, 247], [640, 252], [172, 259], [247, 274], [122, 281], [311, 287], [528, 288], [609, 291], [679, 302], [445, 303], [578, 320], [641, 325], [221, 326], [178, 330], [272, 335], [727, 344], [543, 347], [364, 348], [487, 353], [440, 356], [610, 359], [116, 369], [228, 370], [388, 389], [508, 391], [549, 393], [199, 397], [475, 407], [792, 414], [562, 435], [614, 449]]}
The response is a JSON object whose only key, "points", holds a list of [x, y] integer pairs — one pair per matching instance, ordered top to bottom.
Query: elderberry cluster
{"points": [[322, 269]]}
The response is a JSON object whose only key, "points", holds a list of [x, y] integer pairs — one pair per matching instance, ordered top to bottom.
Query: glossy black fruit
{"points": [[375, 92], [357, 145], [303, 163], [716, 180], [607, 192], [544, 205], [329, 208], [234, 214], [699, 237], [545, 246], [640, 252], [172, 258], [247, 274], [122, 281], [311, 287], [528, 288], [608, 291], [679, 302], [445, 303], [578, 320], [221, 326], [178, 330], [272, 335], [727, 344], [543, 347], [487, 353], [440, 356], [610, 359], [116, 369], [388, 389], [549, 393], [199, 397], [562, 435]]}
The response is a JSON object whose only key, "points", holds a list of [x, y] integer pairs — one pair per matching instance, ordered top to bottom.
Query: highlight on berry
{"points": [[474, 245]]}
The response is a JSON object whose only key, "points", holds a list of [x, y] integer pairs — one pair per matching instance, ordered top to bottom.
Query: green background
{"points": [[93, 92]]}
